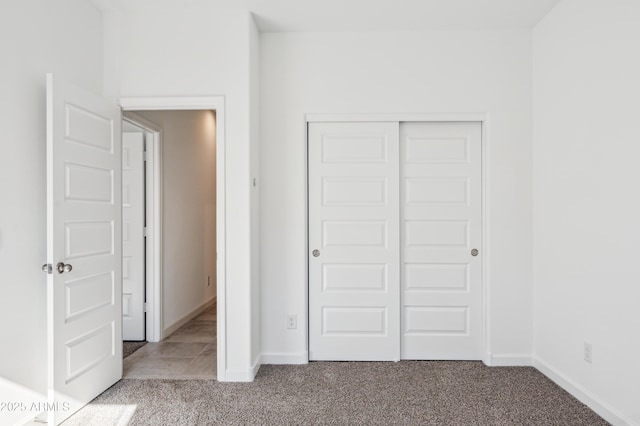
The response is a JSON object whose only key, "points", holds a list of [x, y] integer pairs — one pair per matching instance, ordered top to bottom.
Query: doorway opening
{"points": [[184, 228]]}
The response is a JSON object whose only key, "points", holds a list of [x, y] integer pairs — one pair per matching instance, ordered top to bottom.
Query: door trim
{"points": [[217, 104], [426, 117], [484, 119]]}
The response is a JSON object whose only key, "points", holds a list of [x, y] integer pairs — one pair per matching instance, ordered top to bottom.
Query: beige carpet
{"points": [[408, 393]]}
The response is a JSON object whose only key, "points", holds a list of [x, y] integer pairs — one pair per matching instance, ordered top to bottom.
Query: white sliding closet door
{"points": [[440, 227], [395, 229], [354, 294]]}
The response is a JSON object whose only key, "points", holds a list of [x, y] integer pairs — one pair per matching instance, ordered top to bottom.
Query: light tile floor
{"points": [[188, 353]]}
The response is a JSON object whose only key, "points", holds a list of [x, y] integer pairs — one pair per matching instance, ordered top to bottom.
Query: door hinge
{"points": [[145, 155], [145, 231], [47, 268], [145, 306]]}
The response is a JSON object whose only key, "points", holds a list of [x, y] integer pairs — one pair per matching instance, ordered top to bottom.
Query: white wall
{"points": [[36, 37], [168, 48], [399, 72], [586, 204], [188, 210]]}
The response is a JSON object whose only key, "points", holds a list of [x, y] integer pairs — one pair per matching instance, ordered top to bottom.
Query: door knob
{"points": [[474, 252], [315, 253], [62, 267]]}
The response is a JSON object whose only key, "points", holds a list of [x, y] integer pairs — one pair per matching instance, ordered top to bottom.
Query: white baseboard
{"points": [[185, 319], [285, 358], [486, 358], [499, 360], [509, 360], [256, 366], [240, 375], [247, 375], [603, 409], [18, 418], [38, 420]]}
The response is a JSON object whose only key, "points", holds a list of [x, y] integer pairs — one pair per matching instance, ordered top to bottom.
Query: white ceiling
{"points": [[377, 15]]}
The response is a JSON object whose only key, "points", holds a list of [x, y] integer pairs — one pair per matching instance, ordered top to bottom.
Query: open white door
{"points": [[133, 210], [84, 254]]}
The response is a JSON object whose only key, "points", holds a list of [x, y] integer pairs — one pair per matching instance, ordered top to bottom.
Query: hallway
{"points": [[188, 353]]}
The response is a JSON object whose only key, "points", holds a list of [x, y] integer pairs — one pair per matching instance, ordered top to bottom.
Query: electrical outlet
{"points": [[292, 322], [588, 352]]}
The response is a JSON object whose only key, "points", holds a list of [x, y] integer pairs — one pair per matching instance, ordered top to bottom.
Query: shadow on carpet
{"points": [[130, 347]]}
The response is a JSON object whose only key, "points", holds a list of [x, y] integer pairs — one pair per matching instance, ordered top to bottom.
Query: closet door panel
{"points": [[440, 223], [354, 268]]}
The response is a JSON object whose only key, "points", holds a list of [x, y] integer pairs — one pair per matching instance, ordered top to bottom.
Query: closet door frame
{"points": [[483, 118]]}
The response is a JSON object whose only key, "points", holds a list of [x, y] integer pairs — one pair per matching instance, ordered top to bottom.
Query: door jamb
{"points": [[217, 104], [481, 117]]}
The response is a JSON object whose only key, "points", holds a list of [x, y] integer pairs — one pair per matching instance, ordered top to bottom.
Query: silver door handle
{"points": [[474, 252], [316, 253], [62, 267]]}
